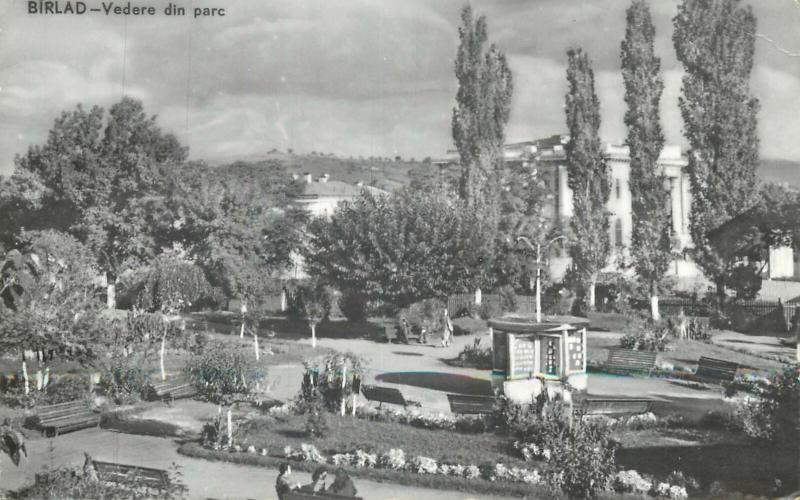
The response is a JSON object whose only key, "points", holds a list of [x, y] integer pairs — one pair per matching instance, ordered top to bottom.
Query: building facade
{"points": [[548, 157]]}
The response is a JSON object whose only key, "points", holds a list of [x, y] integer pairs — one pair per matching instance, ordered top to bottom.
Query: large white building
{"points": [[549, 158]]}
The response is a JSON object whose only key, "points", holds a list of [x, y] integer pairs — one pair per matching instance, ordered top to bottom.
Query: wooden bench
{"points": [[626, 361], [715, 370], [174, 389], [386, 395], [462, 404], [612, 407], [65, 417], [133, 475], [299, 494]]}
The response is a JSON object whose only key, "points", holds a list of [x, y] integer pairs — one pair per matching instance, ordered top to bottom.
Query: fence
{"points": [[747, 315]]}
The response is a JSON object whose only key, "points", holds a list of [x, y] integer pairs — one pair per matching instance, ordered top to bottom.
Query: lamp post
{"points": [[538, 249]]}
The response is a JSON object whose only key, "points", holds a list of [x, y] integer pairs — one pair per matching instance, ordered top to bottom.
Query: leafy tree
{"points": [[714, 41], [482, 109], [587, 174], [103, 181], [236, 223], [651, 243], [394, 250], [173, 285], [49, 298], [312, 302]]}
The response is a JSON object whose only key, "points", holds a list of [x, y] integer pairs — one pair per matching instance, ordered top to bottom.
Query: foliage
{"points": [[714, 42], [483, 105], [587, 174], [103, 179], [236, 223], [650, 238], [399, 248], [174, 285], [49, 298], [508, 298], [353, 305], [490, 309], [425, 315], [476, 356], [225, 373], [326, 381], [125, 384], [60, 390], [769, 411], [316, 420], [581, 453], [70, 483]]}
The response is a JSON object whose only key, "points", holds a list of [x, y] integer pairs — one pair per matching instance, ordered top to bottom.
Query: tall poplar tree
{"points": [[714, 41], [641, 70], [483, 105], [586, 174]]}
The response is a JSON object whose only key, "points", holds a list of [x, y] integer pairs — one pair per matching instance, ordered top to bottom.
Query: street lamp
{"points": [[538, 249]]}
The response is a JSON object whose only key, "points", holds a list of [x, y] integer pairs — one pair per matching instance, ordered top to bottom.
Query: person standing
{"points": [[447, 330]]}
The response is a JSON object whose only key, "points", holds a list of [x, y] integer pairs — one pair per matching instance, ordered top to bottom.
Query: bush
{"points": [[173, 284], [508, 298], [353, 306], [490, 309], [427, 314], [652, 337], [476, 356], [224, 373], [322, 382], [126, 384], [60, 390], [769, 412], [317, 420]]}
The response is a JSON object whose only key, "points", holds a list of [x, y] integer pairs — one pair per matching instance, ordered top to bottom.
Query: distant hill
{"points": [[780, 171], [384, 173]]}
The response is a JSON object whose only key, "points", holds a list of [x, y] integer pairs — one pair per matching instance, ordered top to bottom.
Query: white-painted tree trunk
{"points": [[111, 291], [478, 297], [592, 299], [243, 309], [654, 312], [241, 331], [313, 335], [255, 346], [163, 348], [25, 376], [46, 376], [39, 380], [344, 386], [354, 404], [230, 428]]}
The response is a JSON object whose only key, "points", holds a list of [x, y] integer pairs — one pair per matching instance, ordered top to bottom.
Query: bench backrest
{"points": [[628, 359], [716, 369], [383, 394], [465, 404], [627, 406], [49, 412], [109, 471], [308, 495]]}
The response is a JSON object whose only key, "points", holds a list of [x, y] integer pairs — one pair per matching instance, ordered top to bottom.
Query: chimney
{"points": [[308, 177], [324, 178]]}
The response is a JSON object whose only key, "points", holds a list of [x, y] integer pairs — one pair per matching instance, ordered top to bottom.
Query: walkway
{"points": [[205, 479]]}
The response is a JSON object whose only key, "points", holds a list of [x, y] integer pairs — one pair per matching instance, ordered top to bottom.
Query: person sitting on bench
{"points": [[318, 478], [282, 485], [342, 485]]}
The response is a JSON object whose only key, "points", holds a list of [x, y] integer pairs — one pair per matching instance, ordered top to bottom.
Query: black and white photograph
{"points": [[559, 240]]}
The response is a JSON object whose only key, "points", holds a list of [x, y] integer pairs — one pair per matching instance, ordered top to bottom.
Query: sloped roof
{"points": [[337, 189]]}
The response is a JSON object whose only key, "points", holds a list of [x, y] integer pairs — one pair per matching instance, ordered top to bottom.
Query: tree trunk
{"points": [[592, 286], [111, 291], [720, 296], [654, 312], [314, 335], [163, 346], [255, 346], [25, 376], [344, 386], [230, 429]]}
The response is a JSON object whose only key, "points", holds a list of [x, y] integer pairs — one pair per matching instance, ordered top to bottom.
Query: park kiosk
{"points": [[529, 357]]}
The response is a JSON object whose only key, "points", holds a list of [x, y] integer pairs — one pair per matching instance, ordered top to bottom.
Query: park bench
{"points": [[627, 361], [715, 370], [174, 389], [386, 395], [462, 404], [612, 407], [64, 417], [133, 475], [310, 495]]}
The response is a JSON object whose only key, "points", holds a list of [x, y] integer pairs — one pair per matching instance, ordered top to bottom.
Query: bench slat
{"points": [[628, 360], [717, 370], [386, 395], [471, 405], [108, 471]]}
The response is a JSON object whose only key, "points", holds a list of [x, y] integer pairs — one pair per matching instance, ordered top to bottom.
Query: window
{"points": [[618, 188], [618, 232]]}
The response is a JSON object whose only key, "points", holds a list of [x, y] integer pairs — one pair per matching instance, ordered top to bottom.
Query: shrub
{"points": [[173, 284], [508, 298], [353, 306], [490, 309], [427, 314], [651, 337], [476, 356], [224, 373], [322, 382], [126, 384], [769, 412], [317, 420], [393, 459]]}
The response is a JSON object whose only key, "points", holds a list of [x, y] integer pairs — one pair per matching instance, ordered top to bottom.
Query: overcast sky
{"points": [[352, 77]]}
